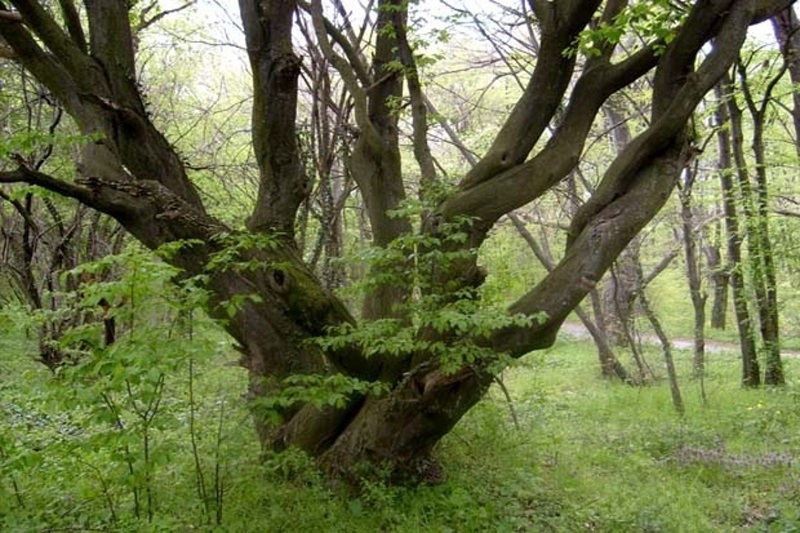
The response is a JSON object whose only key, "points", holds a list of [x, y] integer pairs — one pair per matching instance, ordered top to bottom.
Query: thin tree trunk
{"points": [[787, 32], [764, 257], [693, 273], [719, 278], [666, 347], [751, 374]]}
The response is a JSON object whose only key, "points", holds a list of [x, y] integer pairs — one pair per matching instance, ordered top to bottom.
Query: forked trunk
{"points": [[394, 435]]}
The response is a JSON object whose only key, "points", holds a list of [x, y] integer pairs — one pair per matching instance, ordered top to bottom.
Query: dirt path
{"points": [[577, 331]]}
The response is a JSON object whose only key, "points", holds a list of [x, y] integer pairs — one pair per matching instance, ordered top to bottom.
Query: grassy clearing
{"points": [[590, 456]]}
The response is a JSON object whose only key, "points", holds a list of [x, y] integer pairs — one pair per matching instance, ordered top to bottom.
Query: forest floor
{"points": [[576, 453]]}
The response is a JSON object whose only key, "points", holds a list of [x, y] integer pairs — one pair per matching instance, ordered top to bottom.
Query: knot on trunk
{"points": [[278, 281]]}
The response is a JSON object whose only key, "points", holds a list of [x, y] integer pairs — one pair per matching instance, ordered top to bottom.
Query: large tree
{"points": [[85, 56]]}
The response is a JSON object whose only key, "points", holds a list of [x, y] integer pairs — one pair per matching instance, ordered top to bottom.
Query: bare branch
{"points": [[73, 20], [145, 22], [351, 53], [347, 73], [468, 154], [32, 177]]}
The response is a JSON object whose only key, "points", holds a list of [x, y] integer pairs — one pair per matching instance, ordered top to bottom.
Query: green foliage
{"points": [[652, 21], [30, 141], [236, 251], [427, 265], [318, 390], [116, 402], [589, 454]]}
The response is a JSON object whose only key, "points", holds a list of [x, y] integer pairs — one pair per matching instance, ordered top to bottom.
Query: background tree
{"points": [[44, 237], [751, 375]]}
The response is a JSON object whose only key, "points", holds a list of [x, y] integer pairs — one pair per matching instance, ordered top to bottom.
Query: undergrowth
{"points": [[589, 455]]}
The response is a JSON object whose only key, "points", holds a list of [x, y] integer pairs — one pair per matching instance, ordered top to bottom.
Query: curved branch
{"points": [[348, 74], [550, 79], [676, 96], [525, 182], [283, 184], [633, 190]]}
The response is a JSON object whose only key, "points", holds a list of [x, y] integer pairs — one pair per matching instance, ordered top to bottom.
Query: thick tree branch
{"points": [[10, 16], [74, 26], [110, 35], [67, 51], [42, 65], [275, 69], [100, 94], [543, 94], [676, 95], [32, 177], [527, 181], [633, 189]]}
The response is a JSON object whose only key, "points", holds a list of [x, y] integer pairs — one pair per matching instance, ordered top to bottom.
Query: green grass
{"points": [[589, 456], [628, 462]]}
